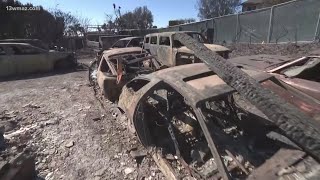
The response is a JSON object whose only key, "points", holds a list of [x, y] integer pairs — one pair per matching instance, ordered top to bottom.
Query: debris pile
{"points": [[16, 161]]}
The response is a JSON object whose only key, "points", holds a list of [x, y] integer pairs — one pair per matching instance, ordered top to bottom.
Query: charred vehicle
{"points": [[128, 42], [123, 43], [171, 52], [23, 58], [118, 66], [302, 73], [107, 81], [183, 96], [220, 121]]}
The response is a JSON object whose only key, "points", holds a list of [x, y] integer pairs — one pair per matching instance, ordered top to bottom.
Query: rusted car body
{"points": [[105, 42], [128, 42], [123, 43], [172, 53], [23, 58], [118, 66], [301, 76], [111, 89], [189, 108]]}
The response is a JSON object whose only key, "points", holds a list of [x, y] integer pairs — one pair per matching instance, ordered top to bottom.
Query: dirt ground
{"points": [[291, 50], [58, 117], [73, 137]]}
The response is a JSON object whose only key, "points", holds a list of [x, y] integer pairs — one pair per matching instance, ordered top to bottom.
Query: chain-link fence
{"points": [[295, 21], [288, 22]]}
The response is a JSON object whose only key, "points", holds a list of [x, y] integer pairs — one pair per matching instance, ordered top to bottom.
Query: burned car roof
{"points": [[171, 33], [129, 38], [213, 47], [120, 51], [259, 62], [301, 73], [198, 79]]}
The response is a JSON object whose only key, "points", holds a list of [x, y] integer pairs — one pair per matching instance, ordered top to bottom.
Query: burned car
{"points": [[128, 42], [123, 43], [172, 53], [23, 58], [118, 66], [301, 75], [108, 79], [190, 112], [219, 121]]}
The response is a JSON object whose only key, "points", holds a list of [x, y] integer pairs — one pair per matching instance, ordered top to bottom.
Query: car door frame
{"points": [[154, 47], [165, 52]]}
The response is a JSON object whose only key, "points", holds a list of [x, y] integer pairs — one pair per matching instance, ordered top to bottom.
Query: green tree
{"points": [[214, 8], [144, 17], [139, 18], [38, 24]]}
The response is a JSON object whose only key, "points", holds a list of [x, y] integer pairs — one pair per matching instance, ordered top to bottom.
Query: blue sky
{"points": [[95, 10]]}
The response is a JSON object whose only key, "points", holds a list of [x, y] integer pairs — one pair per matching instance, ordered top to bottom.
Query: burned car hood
{"points": [[213, 47], [119, 51], [262, 62], [301, 73], [196, 78]]}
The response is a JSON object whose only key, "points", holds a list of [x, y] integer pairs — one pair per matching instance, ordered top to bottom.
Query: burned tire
{"points": [[65, 64], [298, 127]]}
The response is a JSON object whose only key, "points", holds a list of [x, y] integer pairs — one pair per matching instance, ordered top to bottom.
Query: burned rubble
{"points": [[158, 90], [159, 98], [184, 122], [63, 134], [244, 136]]}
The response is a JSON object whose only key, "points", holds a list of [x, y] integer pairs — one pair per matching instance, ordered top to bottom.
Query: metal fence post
{"points": [[270, 25], [237, 28], [214, 30], [316, 34]]}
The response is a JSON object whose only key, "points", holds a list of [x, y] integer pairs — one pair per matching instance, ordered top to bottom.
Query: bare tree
{"points": [[214, 8], [84, 22], [117, 22], [73, 25], [109, 25], [283, 32]]}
